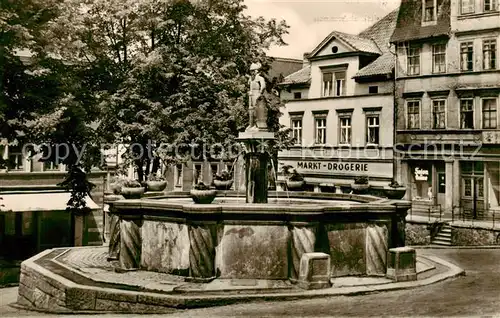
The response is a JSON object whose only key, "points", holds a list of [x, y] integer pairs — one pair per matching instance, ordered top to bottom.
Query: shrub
{"points": [[201, 186]]}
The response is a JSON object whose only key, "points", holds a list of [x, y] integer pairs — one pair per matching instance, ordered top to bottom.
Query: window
{"points": [[490, 5], [467, 6], [429, 13], [489, 54], [466, 56], [439, 58], [413, 62], [334, 83], [339, 83], [327, 84], [373, 89], [297, 95], [413, 109], [489, 113], [439, 114], [466, 114], [373, 129], [345, 130], [297, 131], [320, 131], [320, 134], [16, 161], [50, 166], [178, 175], [197, 175]]}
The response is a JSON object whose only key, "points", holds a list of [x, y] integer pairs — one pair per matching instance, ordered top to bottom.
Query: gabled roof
{"points": [[409, 24], [380, 33], [374, 39], [355, 42], [302, 76]]}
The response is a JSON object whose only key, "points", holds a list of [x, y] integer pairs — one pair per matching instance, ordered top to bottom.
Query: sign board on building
{"points": [[335, 167], [421, 174]]}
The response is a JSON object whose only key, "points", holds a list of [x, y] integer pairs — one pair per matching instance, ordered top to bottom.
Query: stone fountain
{"points": [[271, 237], [259, 238]]}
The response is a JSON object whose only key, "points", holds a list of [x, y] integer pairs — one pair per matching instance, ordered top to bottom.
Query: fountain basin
{"points": [[235, 240]]}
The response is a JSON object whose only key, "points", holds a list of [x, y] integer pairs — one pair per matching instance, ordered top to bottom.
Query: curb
{"points": [[464, 247], [168, 303]]}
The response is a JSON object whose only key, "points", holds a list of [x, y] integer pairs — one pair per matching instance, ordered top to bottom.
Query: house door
{"points": [[473, 189]]}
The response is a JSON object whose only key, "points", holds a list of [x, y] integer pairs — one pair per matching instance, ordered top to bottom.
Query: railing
{"points": [[433, 209], [482, 217]]}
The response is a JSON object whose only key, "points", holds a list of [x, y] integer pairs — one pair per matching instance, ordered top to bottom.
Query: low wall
{"points": [[417, 234], [474, 236]]}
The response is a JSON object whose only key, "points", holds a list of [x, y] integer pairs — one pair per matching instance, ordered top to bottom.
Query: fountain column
{"points": [[257, 140], [257, 159]]}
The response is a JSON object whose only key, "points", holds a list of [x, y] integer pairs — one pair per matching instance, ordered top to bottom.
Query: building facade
{"points": [[447, 101], [339, 107]]}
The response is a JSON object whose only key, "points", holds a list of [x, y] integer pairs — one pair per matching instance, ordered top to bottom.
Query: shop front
{"points": [[467, 189]]}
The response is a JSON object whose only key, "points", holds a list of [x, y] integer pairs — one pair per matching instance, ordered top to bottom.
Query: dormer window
{"points": [[429, 10], [333, 82]]}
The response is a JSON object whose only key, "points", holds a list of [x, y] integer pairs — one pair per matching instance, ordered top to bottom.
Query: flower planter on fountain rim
{"points": [[223, 184], [294, 185], [360, 185], [156, 186], [132, 189], [394, 191], [132, 193], [202, 194]]}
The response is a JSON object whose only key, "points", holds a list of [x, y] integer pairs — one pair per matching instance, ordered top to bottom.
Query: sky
{"points": [[311, 21]]}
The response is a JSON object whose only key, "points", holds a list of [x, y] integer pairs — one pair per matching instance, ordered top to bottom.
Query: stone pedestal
{"points": [[402, 264], [314, 271]]}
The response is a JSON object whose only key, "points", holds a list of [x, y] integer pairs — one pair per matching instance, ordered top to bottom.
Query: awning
{"points": [[40, 201]]}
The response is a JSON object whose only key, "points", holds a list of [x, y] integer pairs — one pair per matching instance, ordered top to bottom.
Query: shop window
{"points": [[489, 54], [466, 56], [439, 58], [413, 111], [467, 113], [489, 113], [439, 114]]}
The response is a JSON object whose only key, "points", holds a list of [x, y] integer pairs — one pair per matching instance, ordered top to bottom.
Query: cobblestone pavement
{"points": [[476, 294]]}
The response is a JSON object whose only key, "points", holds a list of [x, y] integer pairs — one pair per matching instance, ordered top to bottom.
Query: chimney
{"points": [[305, 60]]}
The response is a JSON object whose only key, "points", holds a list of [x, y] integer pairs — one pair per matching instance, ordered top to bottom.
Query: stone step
{"points": [[443, 237], [441, 242]]}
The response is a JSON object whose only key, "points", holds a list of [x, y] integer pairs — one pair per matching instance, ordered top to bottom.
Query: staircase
{"points": [[443, 238]]}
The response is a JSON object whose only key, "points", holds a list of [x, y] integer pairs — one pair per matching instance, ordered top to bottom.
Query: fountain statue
{"points": [[256, 140]]}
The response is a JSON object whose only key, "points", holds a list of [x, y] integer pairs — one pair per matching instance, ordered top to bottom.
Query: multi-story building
{"points": [[448, 87], [340, 109]]}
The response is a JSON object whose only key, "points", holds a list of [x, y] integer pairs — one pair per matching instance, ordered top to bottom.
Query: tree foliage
{"points": [[130, 72]]}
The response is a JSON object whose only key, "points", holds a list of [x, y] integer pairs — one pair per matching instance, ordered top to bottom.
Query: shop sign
{"points": [[378, 169], [421, 174]]}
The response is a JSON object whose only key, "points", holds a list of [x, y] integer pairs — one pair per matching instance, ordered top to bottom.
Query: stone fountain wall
{"points": [[207, 241]]}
